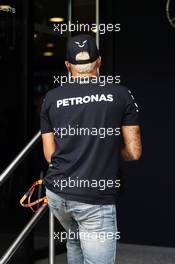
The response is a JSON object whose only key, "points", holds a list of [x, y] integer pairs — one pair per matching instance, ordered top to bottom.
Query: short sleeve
{"points": [[131, 109], [45, 124]]}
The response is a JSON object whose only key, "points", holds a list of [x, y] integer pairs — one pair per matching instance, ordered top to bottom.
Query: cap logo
{"points": [[81, 45]]}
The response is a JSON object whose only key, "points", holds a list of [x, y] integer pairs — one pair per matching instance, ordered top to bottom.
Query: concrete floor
{"points": [[134, 254]]}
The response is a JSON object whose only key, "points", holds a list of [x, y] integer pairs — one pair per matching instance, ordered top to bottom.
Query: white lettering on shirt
{"points": [[85, 100]]}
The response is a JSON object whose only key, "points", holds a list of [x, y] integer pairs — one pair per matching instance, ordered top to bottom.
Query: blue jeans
{"points": [[91, 230]]}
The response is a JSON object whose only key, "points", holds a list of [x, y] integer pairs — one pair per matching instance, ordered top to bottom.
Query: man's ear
{"points": [[98, 62], [68, 66]]}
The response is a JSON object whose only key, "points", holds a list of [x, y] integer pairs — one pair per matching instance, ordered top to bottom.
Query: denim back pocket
{"points": [[88, 216]]}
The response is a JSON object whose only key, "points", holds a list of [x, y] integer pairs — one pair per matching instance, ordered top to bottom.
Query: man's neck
{"points": [[84, 75]]}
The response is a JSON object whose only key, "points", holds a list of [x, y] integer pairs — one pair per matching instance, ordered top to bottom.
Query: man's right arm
{"points": [[132, 146]]}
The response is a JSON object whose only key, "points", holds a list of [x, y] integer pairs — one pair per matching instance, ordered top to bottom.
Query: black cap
{"points": [[81, 43]]}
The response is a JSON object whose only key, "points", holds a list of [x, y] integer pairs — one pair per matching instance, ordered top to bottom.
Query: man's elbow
{"points": [[131, 154], [136, 155], [47, 156], [48, 159]]}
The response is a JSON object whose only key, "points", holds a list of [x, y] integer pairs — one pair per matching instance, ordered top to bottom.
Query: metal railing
{"points": [[19, 158], [30, 225]]}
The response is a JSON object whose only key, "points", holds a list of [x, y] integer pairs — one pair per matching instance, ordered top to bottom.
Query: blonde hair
{"points": [[83, 68]]}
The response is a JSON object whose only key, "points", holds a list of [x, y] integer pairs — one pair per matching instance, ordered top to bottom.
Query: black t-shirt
{"points": [[86, 120]]}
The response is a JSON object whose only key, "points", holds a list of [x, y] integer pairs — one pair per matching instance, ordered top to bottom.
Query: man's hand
{"points": [[49, 145], [132, 148]]}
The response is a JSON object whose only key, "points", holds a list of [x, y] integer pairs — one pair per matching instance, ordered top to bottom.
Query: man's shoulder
{"points": [[121, 89], [52, 92]]}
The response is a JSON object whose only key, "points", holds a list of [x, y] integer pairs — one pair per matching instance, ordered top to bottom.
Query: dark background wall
{"points": [[145, 59]]}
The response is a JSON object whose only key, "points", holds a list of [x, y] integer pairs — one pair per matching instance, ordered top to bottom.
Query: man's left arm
{"points": [[48, 138], [49, 145]]}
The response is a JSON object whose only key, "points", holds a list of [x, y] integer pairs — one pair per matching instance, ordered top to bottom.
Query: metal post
{"points": [[70, 11], [69, 15], [69, 21], [97, 23], [24, 233], [51, 239]]}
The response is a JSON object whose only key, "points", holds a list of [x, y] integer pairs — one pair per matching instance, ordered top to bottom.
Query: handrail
{"points": [[19, 158], [24, 233], [15, 245]]}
